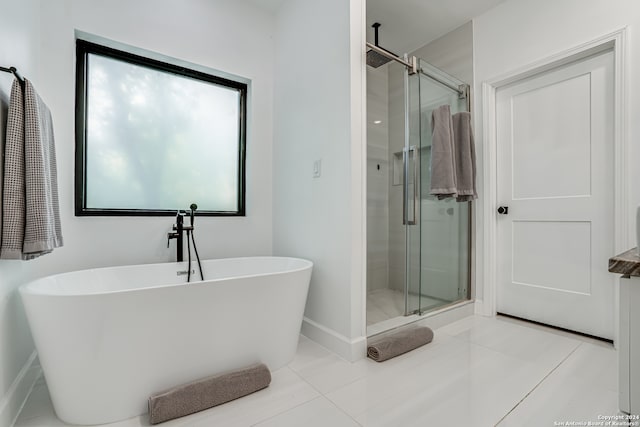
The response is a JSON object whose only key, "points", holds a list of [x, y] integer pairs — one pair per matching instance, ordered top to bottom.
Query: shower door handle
{"points": [[407, 155], [416, 184]]}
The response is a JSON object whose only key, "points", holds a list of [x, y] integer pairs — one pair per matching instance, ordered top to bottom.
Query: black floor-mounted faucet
{"points": [[178, 231]]}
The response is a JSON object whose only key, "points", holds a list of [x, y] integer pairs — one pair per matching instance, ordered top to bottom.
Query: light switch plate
{"points": [[317, 168]]}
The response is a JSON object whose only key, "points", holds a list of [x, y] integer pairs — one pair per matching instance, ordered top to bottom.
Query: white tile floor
{"points": [[385, 304], [477, 372]]}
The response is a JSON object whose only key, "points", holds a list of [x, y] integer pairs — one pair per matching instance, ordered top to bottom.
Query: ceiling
{"points": [[269, 5], [407, 25]]}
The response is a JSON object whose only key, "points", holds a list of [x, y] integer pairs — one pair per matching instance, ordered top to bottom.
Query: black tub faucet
{"points": [[178, 231]]}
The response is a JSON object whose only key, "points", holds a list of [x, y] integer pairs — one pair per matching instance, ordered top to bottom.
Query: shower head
{"points": [[376, 59]]}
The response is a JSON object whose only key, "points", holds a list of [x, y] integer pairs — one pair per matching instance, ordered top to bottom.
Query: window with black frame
{"points": [[154, 137]]}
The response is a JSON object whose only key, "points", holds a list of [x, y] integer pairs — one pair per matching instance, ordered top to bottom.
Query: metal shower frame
{"points": [[411, 63]]}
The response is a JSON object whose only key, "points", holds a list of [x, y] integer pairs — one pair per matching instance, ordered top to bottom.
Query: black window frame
{"points": [[83, 49]]}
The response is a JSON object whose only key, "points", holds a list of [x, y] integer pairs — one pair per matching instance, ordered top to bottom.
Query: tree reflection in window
{"points": [[158, 138]]}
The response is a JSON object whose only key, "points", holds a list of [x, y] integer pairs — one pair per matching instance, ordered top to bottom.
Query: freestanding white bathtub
{"points": [[108, 338]]}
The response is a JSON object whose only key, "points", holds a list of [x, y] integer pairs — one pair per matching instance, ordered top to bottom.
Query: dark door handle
{"points": [[503, 210]]}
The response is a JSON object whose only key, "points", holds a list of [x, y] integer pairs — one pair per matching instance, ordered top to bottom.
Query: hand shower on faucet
{"points": [[193, 207]]}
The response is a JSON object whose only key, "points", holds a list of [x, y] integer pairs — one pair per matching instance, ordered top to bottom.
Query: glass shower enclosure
{"points": [[437, 232], [419, 247]]}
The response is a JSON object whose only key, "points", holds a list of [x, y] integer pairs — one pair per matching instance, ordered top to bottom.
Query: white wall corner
{"points": [[358, 167], [489, 221], [480, 309], [349, 349], [13, 401]]}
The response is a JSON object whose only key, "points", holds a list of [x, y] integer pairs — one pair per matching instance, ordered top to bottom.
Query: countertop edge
{"points": [[626, 263]]}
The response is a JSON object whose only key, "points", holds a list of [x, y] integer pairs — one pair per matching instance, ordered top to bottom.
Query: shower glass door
{"points": [[437, 231]]}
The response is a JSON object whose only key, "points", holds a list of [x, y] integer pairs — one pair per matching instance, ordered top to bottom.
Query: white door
{"points": [[555, 175]]}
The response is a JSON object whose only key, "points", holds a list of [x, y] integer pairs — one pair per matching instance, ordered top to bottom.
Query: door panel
{"points": [[564, 132], [555, 172], [438, 241], [561, 247]]}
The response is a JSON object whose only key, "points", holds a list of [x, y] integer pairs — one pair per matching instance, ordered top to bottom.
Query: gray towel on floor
{"points": [[465, 157], [443, 168], [31, 217], [397, 343], [206, 393]]}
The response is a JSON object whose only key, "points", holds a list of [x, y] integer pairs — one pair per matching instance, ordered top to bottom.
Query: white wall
{"points": [[521, 32], [222, 34], [227, 35], [19, 36], [452, 52], [319, 116]]}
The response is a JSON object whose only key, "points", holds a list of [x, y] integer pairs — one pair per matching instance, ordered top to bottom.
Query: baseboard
{"points": [[481, 309], [349, 349], [12, 402]]}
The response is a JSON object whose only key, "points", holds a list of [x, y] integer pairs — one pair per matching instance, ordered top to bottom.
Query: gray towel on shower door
{"points": [[465, 157], [443, 167], [31, 215]]}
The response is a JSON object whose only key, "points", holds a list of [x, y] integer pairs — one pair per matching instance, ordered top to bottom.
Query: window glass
{"points": [[157, 140]]}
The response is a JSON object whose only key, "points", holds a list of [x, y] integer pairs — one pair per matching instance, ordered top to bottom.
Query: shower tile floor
{"points": [[385, 304], [478, 371]]}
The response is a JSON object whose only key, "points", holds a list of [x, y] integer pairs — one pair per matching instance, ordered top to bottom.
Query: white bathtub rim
{"points": [[35, 288]]}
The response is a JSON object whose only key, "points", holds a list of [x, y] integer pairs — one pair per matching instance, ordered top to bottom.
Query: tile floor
{"points": [[385, 304], [477, 372]]}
